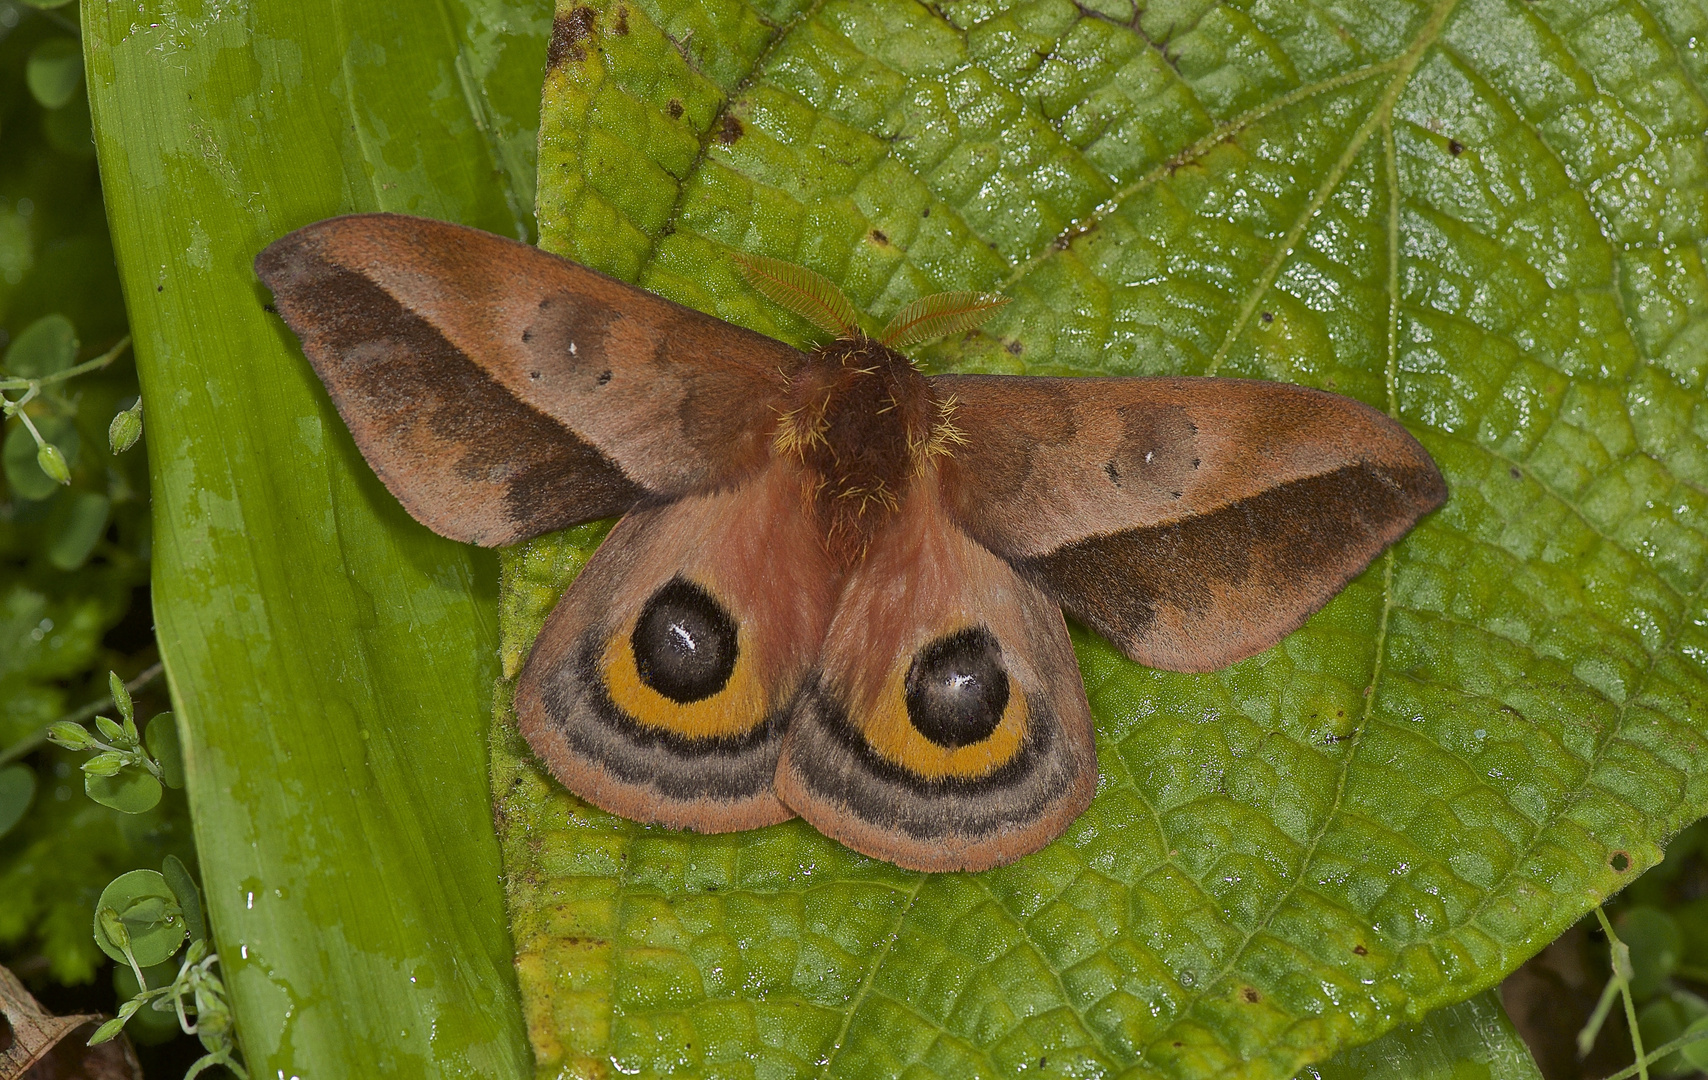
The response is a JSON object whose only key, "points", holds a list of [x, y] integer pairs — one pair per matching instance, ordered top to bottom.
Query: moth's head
{"points": [[814, 298]]}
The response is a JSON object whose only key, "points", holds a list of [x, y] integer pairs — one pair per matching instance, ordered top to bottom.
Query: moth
{"points": [[837, 586]]}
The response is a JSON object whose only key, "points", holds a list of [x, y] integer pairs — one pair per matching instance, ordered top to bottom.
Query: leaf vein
{"points": [[1403, 69], [1217, 135], [709, 136], [1615, 730], [866, 987], [1104, 1051]]}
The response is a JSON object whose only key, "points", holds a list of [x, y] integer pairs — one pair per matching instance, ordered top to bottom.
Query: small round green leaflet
{"points": [[53, 73], [47, 345], [23, 470], [76, 526], [163, 745], [17, 790], [128, 790], [139, 906], [1656, 945], [1697, 1052]]}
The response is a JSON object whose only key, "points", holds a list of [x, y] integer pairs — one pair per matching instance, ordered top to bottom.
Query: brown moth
{"points": [[837, 586]]}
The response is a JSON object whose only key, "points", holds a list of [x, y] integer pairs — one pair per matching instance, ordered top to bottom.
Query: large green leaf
{"points": [[1486, 217], [330, 662]]}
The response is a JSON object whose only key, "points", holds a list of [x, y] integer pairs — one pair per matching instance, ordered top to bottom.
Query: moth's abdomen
{"points": [[947, 727]]}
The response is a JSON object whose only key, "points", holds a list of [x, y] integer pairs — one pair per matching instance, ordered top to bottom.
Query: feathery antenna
{"points": [[810, 295], [939, 315]]}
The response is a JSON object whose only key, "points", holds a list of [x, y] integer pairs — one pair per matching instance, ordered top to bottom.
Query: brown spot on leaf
{"points": [[622, 26], [569, 31], [674, 109], [730, 131], [1455, 147], [880, 237], [1267, 316], [1015, 348], [1360, 950], [1250, 995]]}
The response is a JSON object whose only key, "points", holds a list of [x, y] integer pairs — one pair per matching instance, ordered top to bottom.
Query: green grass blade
{"points": [[330, 661]]}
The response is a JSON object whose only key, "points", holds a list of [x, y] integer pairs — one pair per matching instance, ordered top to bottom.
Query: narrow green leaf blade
{"points": [[328, 658], [166, 748], [189, 897]]}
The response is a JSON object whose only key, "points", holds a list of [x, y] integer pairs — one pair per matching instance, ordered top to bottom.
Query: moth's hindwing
{"points": [[659, 687], [947, 727]]}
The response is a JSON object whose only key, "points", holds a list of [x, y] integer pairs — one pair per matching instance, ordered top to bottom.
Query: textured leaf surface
{"points": [[1486, 217], [330, 661], [1472, 1040]]}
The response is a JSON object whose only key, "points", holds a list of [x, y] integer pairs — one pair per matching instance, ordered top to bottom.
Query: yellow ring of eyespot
{"points": [[735, 710], [891, 733]]}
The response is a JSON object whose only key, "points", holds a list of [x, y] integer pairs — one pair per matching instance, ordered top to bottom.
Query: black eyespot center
{"points": [[684, 642], [957, 688]]}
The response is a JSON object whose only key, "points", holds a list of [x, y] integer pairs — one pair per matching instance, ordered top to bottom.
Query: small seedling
{"points": [[124, 774], [142, 919]]}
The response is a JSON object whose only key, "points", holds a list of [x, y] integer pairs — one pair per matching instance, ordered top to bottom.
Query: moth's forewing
{"points": [[501, 392], [1192, 522], [658, 688], [948, 727]]}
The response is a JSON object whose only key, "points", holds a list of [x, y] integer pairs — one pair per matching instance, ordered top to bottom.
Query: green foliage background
{"points": [[1486, 217], [56, 619]]}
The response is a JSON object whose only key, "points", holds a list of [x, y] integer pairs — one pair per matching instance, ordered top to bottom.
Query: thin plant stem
{"points": [[69, 373], [29, 743], [1622, 977], [1658, 1053]]}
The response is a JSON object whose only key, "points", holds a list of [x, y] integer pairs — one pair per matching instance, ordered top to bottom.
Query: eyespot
{"points": [[684, 643], [957, 689]]}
